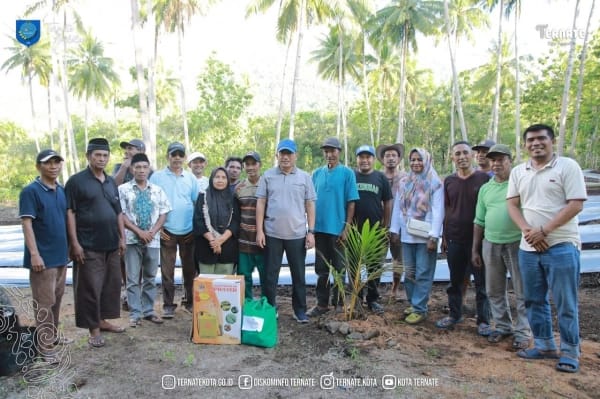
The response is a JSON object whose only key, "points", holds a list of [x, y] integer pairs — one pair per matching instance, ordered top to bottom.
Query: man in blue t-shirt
{"points": [[335, 185], [43, 213]]}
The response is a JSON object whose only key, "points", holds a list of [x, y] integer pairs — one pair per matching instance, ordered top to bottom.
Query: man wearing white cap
{"points": [[197, 163]]}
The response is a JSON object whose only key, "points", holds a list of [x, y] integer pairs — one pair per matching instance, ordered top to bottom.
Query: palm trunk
{"points": [[297, 67], [139, 69], [580, 82], [181, 87], [366, 87], [65, 88], [456, 88], [517, 89], [565, 97], [402, 100], [379, 105], [496, 106], [32, 107], [280, 112], [152, 113], [85, 123], [50, 130]]}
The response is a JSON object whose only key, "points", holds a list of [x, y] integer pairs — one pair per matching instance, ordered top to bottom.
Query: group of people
{"points": [[491, 220]]}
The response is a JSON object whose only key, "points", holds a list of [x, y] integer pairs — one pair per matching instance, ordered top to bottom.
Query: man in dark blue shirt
{"points": [[43, 213]]}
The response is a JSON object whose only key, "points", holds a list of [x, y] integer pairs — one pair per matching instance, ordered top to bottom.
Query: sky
{"points": [[248, 45]]}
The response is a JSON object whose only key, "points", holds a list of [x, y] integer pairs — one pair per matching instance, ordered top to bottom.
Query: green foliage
{"points": [[17, 160], [361, 248]]}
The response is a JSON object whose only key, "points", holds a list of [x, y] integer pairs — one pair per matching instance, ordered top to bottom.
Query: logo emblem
{"points": [[28, 31]]}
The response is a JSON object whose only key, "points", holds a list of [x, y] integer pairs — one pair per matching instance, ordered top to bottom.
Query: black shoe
{"points": [[376, 308]]}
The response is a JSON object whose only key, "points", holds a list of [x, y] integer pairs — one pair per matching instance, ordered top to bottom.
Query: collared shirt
{"points": [[182, 191], [544, 192], [245, 195], [286, 195], [47, 207], [143, 207], [97, 208], [491, 213]]}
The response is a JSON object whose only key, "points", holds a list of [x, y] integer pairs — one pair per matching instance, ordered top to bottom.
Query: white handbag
{"points": [[418, 228]]}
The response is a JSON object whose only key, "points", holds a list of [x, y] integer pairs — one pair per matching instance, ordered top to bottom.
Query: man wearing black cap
{"points": [[390, 156], [483, 161], [121, 172], [335, 185], [182, 190], [374, 205], [145, 207], [43, 213], [96, 236], [250, 254]]}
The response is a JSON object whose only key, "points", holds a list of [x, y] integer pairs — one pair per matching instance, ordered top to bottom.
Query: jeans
{"points": [[327, 250], [295, 251], [168, 253], [139, 259], [498, 259], [459, 263], [246, 264], [419, 268], [555, 270]]}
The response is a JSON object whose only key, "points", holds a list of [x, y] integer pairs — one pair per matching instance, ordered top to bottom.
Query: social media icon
{"points": [[245, 381], [327, 381], [388, 381], [168, 382]]}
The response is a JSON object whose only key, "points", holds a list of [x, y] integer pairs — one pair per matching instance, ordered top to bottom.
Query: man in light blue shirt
{"points": [[182, 191]]}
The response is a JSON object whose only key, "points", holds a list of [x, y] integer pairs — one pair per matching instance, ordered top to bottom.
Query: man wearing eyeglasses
{"points": [[182, 191]]}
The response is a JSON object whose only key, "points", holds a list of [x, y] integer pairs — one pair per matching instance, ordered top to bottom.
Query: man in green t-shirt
{"points": [[497, 238]]}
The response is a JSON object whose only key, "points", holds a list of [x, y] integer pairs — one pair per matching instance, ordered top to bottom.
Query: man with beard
{"points": [[390, 157]]}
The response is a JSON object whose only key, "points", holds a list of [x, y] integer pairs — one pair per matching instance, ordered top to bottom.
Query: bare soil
{"points": [[422, 361], [454, 364]]}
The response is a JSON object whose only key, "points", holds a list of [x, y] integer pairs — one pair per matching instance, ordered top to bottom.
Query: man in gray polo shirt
{"points": [[286, 202]]}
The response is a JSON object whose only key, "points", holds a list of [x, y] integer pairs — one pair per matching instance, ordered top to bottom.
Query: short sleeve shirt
{"points": [[373, 190], [544, 192], [286, 195], [143, 207], [47, 208], [97, 208]]}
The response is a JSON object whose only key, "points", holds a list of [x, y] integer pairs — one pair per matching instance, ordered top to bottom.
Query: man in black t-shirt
{"points": [[374, 205]]}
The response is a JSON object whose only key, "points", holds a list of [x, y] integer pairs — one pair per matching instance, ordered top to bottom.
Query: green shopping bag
{"points": [[259, 323]]}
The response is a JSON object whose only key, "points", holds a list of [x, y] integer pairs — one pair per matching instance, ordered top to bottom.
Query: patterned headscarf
{"points": [[416, 189]]}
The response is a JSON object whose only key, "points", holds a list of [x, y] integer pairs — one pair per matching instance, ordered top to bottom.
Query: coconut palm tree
{"points": [[293, 17], [402, 19], [582, 59], [33, 61], [91, 74], [385, 76], [562, 130]]}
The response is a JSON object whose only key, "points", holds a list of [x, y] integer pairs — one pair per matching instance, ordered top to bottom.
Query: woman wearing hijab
{"points": [[420, 199], [216, 226]]}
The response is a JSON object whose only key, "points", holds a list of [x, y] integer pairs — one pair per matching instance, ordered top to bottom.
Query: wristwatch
{"points": [[311, 231]]}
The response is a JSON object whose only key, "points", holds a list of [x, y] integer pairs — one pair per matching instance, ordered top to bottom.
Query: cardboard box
{"points": [[217, 317]]}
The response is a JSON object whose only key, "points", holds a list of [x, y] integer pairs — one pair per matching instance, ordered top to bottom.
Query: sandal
{"points": [[317, 311], [415, 318], [154, 319], [133, 323], [447, 323], [112, 328], [498, 336], [96, 341], [520, 344], [537, 354], [567, 364]]}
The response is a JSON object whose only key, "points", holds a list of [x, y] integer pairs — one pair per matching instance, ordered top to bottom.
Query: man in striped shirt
{"points": [[251, 255]]}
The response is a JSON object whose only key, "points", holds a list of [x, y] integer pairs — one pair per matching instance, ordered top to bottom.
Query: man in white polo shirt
{"points": [[544, 197]]}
